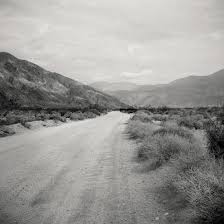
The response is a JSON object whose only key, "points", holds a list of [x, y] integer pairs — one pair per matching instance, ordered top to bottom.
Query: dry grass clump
{"points": [[13, 116], [23, 116], [56, 116], [77, 116], [142, 116], [159, 117], [191, 122], [138, 130], [175, 131], [215, 135], [161, 148], [191, 155], [194, 156], [204, 190]]}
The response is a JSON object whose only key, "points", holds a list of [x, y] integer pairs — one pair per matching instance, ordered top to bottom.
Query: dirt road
{"points": [[80, 172]]}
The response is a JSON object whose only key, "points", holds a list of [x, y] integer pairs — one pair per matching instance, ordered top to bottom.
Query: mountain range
{"points": [[24, 84], [191, 91]]}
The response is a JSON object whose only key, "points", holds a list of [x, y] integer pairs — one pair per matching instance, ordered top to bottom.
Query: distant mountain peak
{"points": [[185, 92]]}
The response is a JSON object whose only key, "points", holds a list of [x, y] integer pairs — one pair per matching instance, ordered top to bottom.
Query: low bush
{"points": [[95, 111], [68, 114], [89, 114], [77, 116], [142, 116], [57, 117], [159, 117], [190, 122], [139, 130], [6, 131], [176, 131], [215, 135], [161, 148], [191, 155], [195, 159], [204, 190]]}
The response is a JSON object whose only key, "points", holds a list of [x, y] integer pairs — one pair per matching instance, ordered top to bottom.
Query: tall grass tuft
{"points": [[142, 116], [138, 130], [175, 131], [215, 135], [160, 148], [194, 156], [204, 190]]}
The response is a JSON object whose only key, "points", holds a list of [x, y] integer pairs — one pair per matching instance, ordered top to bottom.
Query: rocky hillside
{"points": [[24, 84], [186, 92]]}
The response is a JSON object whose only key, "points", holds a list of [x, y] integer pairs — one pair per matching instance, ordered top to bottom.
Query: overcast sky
{"points": [[141, 41]]}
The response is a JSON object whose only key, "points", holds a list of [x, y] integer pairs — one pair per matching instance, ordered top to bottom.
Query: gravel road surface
{"points": [[79, 172]]}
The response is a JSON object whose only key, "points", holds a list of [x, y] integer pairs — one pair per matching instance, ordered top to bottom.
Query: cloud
{"points": [[217, 35], [116, 40], [132, 48], [134, 75], [142, 77]]}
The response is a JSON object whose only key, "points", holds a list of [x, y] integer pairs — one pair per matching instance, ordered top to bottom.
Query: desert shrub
{"points": [[163, 109], [95, 111], [67, 114], [89, 114], [220, 115], [42, 116], [77, 116], [142, 116], [57, 117], [159, 117], [174, 117], [60, 118], [12, 119], [22, 120], [3, 121], [190, 122], [171, 123], [26, 125], [139, 130], [6, 131], [178, 131], [215, 135], [161, 148], [191, 155], [195, 158], [204, 190]]}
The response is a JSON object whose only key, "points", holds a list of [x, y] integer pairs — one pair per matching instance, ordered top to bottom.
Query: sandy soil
{"points": [[8, 130], [79, 172]]}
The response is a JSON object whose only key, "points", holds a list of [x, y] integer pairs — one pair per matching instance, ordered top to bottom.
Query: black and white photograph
{"points": [[112, 112]]}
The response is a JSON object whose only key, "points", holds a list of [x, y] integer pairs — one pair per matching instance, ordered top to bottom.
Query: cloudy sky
{"points": [[141, 41]]}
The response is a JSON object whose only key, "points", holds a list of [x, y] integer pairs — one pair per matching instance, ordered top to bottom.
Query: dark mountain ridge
{"points": [[24, 84]]}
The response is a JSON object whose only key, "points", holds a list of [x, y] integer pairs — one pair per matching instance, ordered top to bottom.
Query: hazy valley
{"points": [[192, 91]]}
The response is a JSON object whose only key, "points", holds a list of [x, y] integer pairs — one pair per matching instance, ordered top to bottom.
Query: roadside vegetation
{"points": [[24, 117], [190, 144]]}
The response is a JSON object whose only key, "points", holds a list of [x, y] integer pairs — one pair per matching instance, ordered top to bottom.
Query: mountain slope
{"points": [[25, 84], [114, 86], [191, 91], [126, 92], [186, 92]]}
